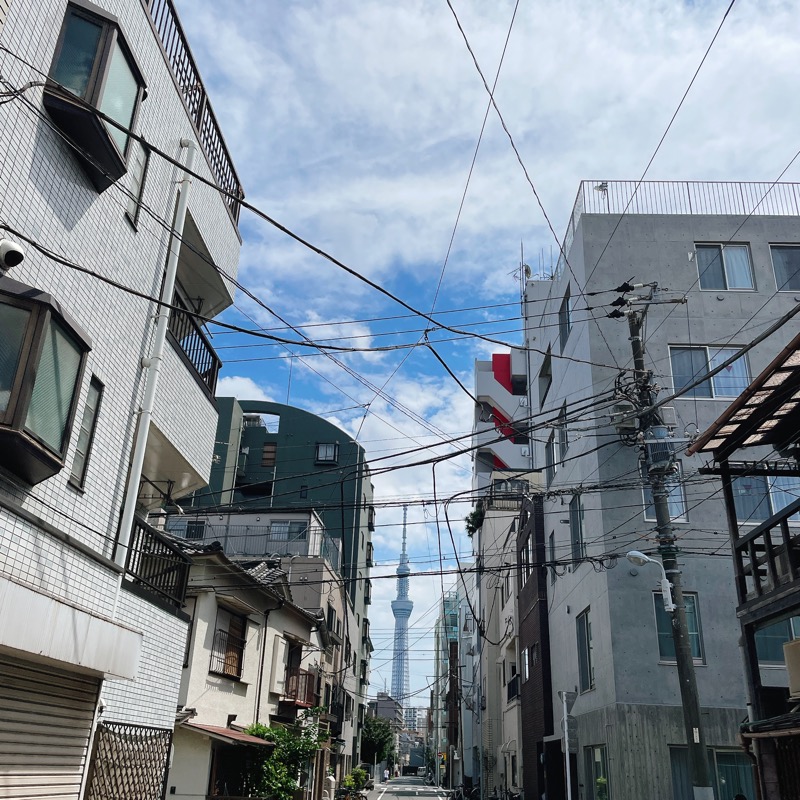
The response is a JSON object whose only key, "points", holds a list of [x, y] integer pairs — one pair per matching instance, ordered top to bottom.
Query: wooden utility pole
{"points": [[660, 463]]}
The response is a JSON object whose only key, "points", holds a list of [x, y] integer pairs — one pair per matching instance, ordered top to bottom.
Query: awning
{"points": [[227, 735]]}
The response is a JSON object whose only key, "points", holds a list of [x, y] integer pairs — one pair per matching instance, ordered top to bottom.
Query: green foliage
{"points": [[474, 520], [376, 739], [276, 772], [359, 777]]}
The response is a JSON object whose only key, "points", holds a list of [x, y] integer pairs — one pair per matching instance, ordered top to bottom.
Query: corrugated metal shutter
{"points": [[45, 721]]}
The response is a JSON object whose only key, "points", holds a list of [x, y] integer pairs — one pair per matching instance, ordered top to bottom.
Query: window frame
{"points": [[78, 115], [135, 197], [721, 247], [795, 275], [565, 319], [545, 378], [713, 394], [563, 433], [28, 454], [269, 454], [320, 456], [550, 462], [79, 481], [769, 496], [576, 515], [659, 613], [218, 656], [586, 680], [590, 761]]}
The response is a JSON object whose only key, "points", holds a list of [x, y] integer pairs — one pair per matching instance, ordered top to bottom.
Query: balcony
{"points": [[178, 55], [193, 345], [767, 561], [155, 566], [301, 688], [512, 689]]}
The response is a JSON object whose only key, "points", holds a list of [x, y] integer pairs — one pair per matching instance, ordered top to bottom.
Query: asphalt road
{"points": [[406, 789]]}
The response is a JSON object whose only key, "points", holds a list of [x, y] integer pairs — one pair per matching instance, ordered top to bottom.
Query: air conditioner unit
{"points": [[791, 654]]}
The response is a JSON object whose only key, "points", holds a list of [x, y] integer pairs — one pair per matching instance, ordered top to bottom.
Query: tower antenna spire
{"points": [[401, 608]]}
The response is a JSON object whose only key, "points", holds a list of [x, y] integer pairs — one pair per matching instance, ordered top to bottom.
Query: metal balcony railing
{"points": [[187, 77], [736, 198], [194, 344], [767, 558], [156, 565], [227, 654], [301, 687], [512, 688]]}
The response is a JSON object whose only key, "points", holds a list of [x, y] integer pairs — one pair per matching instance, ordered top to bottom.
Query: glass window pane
{"points": [[76, 60], [119, 96], [786, 264], [709, 265], [737, 266], [13, 322], [688, 363], [733, 380], [54, 388], [85, 435], [784, 491], [751, 498], [770, 640], [666, 644], [734, 776]]}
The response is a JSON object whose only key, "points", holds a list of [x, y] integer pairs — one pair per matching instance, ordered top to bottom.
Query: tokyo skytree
{"points": [[401, 608]]}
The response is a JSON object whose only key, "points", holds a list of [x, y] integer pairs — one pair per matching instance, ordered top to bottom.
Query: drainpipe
{"points": [[153, 367], [262, 657]]}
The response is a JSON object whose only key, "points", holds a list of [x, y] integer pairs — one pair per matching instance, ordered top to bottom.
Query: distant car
{"points": [[421, 772]]}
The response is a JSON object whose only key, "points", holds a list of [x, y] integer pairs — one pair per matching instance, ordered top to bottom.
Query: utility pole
{"points": [[660, 463]]}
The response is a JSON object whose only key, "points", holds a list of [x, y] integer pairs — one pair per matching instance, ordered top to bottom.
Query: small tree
{"points": [[474, 519], [377, 739], [276, 773]]}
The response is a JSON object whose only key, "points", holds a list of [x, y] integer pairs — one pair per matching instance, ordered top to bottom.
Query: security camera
{"points": [[11, 254]]}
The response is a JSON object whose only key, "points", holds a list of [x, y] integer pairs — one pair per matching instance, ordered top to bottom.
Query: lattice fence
{"points": [[129, 762]]}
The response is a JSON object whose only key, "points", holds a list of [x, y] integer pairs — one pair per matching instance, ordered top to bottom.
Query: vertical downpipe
{"points": [[153, 367]]}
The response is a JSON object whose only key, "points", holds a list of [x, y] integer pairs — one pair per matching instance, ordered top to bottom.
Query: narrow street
{"points": [[406, 787]]}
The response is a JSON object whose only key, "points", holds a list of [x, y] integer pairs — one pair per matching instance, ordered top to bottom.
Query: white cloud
{"points": [[241, 387]]}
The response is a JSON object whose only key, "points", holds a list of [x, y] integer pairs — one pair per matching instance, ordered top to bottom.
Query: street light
{"points": [[640, 559]]}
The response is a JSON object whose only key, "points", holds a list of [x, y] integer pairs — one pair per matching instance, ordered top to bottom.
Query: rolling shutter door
{"points": [[45, 721]]}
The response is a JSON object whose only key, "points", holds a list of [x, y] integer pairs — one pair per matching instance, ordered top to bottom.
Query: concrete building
{"points": [[728, 254], [501, 479], [287, 482], [93, 633], [445, 695]]}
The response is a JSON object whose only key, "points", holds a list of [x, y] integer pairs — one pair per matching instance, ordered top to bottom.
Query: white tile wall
{"points": [[47, 196]]}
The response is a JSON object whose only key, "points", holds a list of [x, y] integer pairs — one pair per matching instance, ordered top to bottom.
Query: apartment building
{"points": [[723, 262], [290, 484], [92, 642]]}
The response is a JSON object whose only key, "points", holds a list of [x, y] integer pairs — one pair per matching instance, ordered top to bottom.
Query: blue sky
{"points": [[355, 125]]}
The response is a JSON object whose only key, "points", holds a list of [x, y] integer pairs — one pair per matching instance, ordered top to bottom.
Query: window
{"points": [[92, 63], [138, 173], [724, 266], [786, 266], [564, 319], [42, 356], [689, 363], [545, 377], [563, 433], [327, 453], [268, 454], [80, 463], [550, 463], [304, 491], [757, 497], [676, 498], [576, 528], [196, 529], [288, 530], [551, 548], [771, 638], [666, 644], [227, 653], [585, 667], [526, 672], [596, 763], [731, 774]]}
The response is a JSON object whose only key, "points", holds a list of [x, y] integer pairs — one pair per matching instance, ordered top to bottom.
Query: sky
{"points": [[355, 125]]}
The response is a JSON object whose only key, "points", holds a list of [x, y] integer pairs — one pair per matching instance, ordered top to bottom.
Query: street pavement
{"points": [[406, 788]]}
